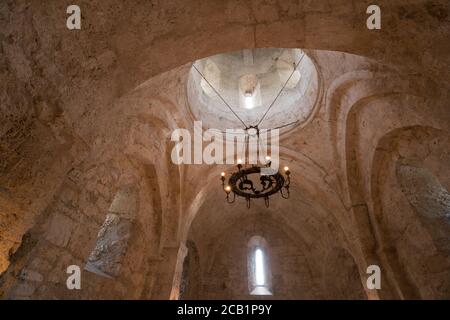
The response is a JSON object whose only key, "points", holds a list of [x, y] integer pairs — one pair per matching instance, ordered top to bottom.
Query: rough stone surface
{"points": [[86, 114]]}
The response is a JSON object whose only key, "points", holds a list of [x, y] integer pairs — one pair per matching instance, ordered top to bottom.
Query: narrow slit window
{"points": [[259, 268], [259, 273]]}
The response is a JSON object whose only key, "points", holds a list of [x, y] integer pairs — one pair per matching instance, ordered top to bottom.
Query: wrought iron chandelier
{"points": [[244, 183]]}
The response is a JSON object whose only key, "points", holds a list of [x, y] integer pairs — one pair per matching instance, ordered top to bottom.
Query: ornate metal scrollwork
{"points": [[249, 183]]}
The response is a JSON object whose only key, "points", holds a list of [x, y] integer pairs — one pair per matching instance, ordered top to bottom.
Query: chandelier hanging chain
{"points": [[281, 90], [220, 96]]}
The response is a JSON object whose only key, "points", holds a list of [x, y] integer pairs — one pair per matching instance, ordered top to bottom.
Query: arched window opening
{"points": [[429, 199], [112, 240], [260, 281]]}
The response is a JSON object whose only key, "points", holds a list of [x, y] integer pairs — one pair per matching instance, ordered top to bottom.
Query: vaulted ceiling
{"points": [[86, 112]]}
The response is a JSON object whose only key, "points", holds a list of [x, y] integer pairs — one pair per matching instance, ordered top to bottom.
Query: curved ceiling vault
{"points": [[87, 114]]}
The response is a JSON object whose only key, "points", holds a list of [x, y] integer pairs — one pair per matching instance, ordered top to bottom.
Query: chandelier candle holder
{"points": [[249, 183]]}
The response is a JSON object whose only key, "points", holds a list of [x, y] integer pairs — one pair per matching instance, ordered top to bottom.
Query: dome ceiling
{"points": [[249, 81]]}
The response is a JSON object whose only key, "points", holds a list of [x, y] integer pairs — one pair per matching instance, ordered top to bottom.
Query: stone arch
{"points": [[252, 27], [366, 115], [150, 147], [308, 173], [311, 176], [401, 209]]}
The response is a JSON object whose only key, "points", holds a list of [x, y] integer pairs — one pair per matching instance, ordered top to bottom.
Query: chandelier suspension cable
{"points": [[281, 90], [226, 103], [268, 109], [264, 130], [240, 183]]}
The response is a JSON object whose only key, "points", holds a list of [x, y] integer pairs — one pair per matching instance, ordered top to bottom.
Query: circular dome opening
{"points": [[250, 81]]}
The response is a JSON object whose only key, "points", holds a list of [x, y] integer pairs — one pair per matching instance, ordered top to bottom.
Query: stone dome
{"points": [[250, 81]]}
